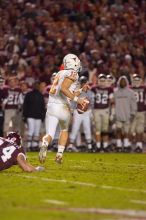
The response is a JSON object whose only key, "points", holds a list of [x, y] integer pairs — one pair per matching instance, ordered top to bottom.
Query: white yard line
{"points": [[77, 166], [57, 180], [80, 183], [122, 189], [138, 201], [55, 202], [120, 212], [129, 213], [137, 214]]}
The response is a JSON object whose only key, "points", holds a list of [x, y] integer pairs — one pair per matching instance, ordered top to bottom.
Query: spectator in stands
{"points": [[109, 36]]}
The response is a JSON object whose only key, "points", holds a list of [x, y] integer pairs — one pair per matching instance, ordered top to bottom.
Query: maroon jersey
{"points": [[140, 93], [102, 97], [12, 98], [8, 153]]}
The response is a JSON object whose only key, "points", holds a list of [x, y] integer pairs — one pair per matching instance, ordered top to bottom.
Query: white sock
{"points": [[44, 141], [113, 141], [126, 142], [119, 143], [105, 144], [139, 144], [71, 145], [98, 145], [89, 146], [61, 149]]}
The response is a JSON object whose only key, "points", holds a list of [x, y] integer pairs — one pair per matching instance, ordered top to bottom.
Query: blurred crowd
{"points": [[35, 35], [108, 35]]}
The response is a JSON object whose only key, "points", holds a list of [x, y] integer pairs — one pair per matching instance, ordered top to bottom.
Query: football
{"points": [[83, 108]]}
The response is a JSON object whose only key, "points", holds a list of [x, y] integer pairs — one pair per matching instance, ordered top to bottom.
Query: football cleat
{"points": [[72, 148], [107, 149], [119, 149], [127, 149], [97, 150], [138, 150], [43, 153], [58, 158]]}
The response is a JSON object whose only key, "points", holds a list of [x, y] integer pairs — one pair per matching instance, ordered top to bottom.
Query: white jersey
{"points": [[55, 95]]}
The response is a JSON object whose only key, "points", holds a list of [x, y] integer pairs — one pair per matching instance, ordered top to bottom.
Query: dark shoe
{"points": [[107, 149], [119, 149], [127, 149], [90, 150], [97, 150], [138, 150]]}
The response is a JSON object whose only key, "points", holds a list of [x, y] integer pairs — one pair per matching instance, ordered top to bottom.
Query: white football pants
{"points": [[57, 114], [79, 119], [34, 126]]}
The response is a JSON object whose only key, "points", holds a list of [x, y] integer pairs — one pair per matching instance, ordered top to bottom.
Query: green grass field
{"points": [[85, 186]]}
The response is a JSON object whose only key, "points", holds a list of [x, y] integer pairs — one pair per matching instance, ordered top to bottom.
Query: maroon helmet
{"points": [[14, 137]]}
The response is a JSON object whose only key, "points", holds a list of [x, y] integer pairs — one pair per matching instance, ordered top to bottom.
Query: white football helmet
{"points": [[71, 61], [101, 80], [110, 80], [136, 80]]}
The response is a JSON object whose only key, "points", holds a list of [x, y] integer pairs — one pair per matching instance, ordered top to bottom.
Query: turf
{"points": [[99, 181]]}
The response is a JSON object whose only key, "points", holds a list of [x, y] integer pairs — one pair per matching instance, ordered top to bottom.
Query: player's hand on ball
{"points": [[86, 87], [81, 101], [82, 105], [39, 168]]}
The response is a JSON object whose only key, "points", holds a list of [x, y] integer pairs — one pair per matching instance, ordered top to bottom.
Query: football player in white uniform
{"points": [[63, 90]]}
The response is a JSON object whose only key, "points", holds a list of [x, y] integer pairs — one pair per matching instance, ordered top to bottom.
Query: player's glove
{"points": [[39, 168]]}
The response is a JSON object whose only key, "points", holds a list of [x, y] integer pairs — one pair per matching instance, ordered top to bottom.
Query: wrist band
{"points": [[80, 90], [75, 99]]}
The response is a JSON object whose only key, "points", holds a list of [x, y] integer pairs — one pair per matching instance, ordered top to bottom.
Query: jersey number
{"points": [[54, 85], [139, 96], [101, 98], [13, 99], [7, 152]]}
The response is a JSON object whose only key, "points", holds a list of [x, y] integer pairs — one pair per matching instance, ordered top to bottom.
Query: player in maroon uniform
{"points": [[102, 99], [10, 104], [137, 125], [11, 153]]}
